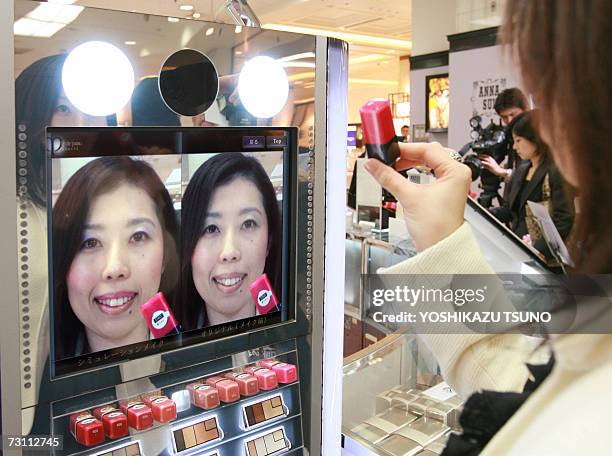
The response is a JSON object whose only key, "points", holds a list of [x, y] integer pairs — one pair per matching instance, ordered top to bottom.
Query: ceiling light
{"points": [[62, 2], [186, 7], [50, 12], [196, 15], [46, 19], [173, 19], [29, 27], [238, 29], [210, 31], [354, 38], [130, 43], [238, 52], [303, 55], [298, 64], [300, 76], [98, 78], [372, 82], [263, 87]]}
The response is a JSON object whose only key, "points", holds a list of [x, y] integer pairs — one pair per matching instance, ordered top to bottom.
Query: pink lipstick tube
{"points": [[379, 132], [263, 295], [160, 320], [285, 372], [266, 377], [247, 383], [229, 391], [203, 396], [163, 408], [138, 413], [87, 429]]}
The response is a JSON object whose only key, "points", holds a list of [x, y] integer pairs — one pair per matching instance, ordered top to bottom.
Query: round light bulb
{"points": [[98, 78], [263, 87]]}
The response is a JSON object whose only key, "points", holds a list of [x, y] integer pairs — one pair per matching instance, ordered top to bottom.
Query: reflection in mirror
{"points": [[188, 82]]}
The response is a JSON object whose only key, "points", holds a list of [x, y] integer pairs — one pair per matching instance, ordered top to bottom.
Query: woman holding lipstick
{"points": [[230, 228], [114, 244]]}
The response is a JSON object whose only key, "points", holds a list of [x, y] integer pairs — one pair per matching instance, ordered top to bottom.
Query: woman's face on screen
{"points": [[231, 252], [117, 268]]}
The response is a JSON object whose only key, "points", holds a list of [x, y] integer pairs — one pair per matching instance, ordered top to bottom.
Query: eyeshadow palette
{"points": [[264, 411], [196, 434], [273, 442], [129, 449]]}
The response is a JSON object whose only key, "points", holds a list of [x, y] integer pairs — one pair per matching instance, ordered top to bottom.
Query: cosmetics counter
{"points": [[254, 386], [395, 401]]}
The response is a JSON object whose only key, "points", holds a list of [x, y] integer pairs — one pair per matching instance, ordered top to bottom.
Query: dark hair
{"points": [[564, 73], [37, 90], [510, 98], [148, 108], [405, 126], [525, 126], [215, 172], [70, 215]]}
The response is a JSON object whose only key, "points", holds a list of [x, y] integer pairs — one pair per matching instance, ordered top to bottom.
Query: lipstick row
{"points": [[266, 375], [91, 428]]}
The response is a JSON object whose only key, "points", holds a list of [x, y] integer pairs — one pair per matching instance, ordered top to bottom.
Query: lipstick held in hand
{"points": [[379, 132], [263, 295], [159, 317], [87, 429]]}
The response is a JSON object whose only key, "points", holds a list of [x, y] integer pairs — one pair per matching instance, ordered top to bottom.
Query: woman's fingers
{"points": [[388, 178]]}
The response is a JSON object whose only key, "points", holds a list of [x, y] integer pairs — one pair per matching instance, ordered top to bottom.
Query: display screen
{"points": [[438, 102], [162, 237]]}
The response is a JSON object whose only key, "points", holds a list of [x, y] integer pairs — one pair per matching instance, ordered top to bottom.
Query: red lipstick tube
{"points": [[379, 132], [263, 295], [159, 317], [285, 373], [266, 377], [247, 383], [228, 389], [203, 396], [163, 408], [139, 415], [114, 421], [86, 429]]}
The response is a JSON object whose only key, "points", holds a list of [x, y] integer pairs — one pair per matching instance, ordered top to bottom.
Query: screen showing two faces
{"points": [[177, 237]]}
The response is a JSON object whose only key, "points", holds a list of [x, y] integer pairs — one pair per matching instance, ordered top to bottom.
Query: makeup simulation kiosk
{"points": [[130, 232]]}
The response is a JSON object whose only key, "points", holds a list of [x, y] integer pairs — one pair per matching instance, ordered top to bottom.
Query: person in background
{"points": [[509, 104], [405, 134], [536, 179]]}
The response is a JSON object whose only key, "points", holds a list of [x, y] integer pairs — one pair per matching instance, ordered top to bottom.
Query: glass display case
{"points": [[393, 404]]}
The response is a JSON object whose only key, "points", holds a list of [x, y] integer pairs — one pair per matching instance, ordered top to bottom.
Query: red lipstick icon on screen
{"points": [[263, 295], [159, 317]]}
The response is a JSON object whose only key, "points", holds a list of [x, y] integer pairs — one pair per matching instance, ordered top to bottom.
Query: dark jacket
{"points": [[562, 208]]}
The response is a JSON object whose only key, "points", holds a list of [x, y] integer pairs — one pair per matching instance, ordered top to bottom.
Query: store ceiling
{"points": [[359, 17], [369, 17]]}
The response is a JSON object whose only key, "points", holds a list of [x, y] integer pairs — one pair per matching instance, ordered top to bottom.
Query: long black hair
{"points": [[37, 91], [215, 172], [70, 216]]}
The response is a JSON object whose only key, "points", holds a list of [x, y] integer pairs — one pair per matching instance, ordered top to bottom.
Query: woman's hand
{"points": [[490, 164], [432, 211]]}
